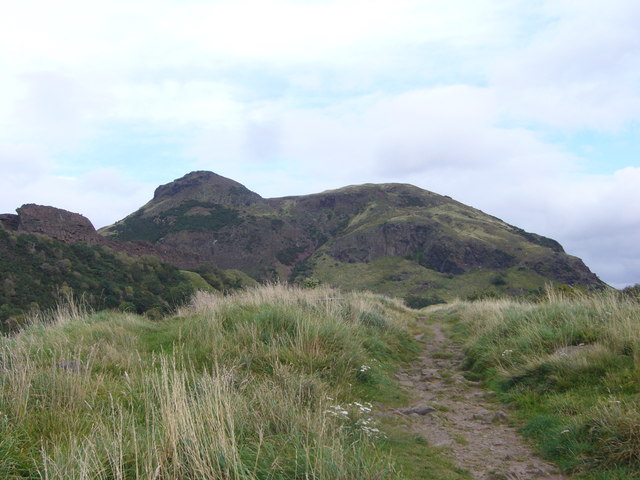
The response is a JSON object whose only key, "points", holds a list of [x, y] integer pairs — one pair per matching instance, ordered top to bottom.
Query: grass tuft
{"points": [[571, 366], [246, 386]]}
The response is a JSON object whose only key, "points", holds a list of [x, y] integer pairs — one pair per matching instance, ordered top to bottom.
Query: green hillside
{"points": [[388, 238], [36, 271]]}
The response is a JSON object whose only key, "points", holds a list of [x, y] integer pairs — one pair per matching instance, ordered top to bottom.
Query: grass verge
{"points": [[570, 366], [269, 383]]}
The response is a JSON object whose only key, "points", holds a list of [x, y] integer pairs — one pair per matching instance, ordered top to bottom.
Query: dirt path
{"points": [[456, 414]]}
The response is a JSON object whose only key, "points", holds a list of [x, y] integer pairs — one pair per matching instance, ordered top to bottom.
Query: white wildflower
{"points": [[337, 411], [360, 421]]}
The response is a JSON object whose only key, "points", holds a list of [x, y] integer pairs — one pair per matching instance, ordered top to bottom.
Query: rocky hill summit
{"points": [[206, 187], [60, 224], [70, 228], [394, 238]]}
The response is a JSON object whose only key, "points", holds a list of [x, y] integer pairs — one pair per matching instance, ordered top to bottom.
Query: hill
{"points": [[391, 238], [47, 253]]}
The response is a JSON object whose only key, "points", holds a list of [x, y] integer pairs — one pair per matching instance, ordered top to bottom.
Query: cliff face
{"points": [[60, 224], [70, 228], [438, 243]]}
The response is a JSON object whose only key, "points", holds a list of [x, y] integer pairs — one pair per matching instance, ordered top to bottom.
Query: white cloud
{"points": [[77, 35], [581, 71], [300, 96], [177, 103], [55, 109], [386, 138], [21, 164], [22, 167], [102, 195], [596, 219]]}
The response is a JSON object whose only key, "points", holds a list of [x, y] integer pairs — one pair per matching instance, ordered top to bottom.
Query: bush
{"points": [[499, 280], [310, 282], [420, 301], [127, 307]]}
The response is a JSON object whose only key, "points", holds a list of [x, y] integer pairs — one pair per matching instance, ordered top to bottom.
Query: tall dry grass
{"points": [[572, 365], [232, 387]]}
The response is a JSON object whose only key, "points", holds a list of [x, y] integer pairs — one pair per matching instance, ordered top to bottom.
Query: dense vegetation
{"points": [[192, 216], [35, 271], [570, 365], [269, 383]]}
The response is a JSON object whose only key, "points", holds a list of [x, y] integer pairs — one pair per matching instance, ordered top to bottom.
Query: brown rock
{"points": [[9, 221], [60, 224], [420, 409]]}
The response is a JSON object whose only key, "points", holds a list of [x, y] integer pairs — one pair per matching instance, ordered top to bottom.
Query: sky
{"points": [[528, 110]]}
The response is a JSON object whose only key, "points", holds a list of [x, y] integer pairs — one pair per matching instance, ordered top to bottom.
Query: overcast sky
{"points": [[526, 109]]}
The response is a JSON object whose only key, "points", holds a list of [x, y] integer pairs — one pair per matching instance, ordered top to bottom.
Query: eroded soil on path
{"points": [[456, 414]]}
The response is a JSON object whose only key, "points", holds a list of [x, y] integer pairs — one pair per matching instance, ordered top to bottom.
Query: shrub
{"points": [[420, 301], [127, 307]]}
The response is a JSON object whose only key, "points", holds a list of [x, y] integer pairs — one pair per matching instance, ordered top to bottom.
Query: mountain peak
{"points": [[205, 186]]}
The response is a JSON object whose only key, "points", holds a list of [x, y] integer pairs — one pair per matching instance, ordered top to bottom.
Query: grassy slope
{"points": [[341, 219], [36, 270], [402, 277], [571, 369], [272, 383]]}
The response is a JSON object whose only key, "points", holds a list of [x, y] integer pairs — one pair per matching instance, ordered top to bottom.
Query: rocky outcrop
{"points": [[206, 187], [9, 221], [60, 224], [69, 227], [426, 243], [563, 268]]}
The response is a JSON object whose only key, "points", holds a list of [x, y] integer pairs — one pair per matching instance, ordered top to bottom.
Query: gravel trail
{"points": [[457, 415]]}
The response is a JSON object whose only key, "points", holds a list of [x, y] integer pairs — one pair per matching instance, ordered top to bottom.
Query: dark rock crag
{"points": [[60, 224], [69, 227]]}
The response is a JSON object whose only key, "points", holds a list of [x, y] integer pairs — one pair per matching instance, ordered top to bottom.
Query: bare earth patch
{"points": [[456, 414]]}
